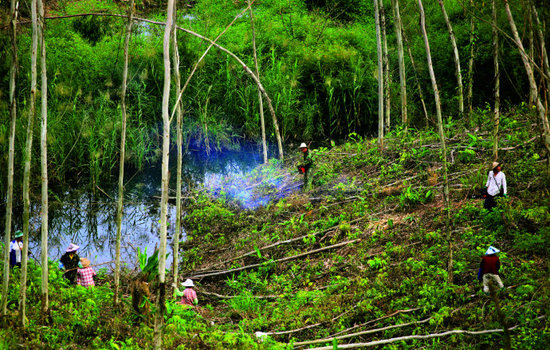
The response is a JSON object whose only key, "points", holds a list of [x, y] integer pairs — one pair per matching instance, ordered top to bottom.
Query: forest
{"points": [[403, 107]]}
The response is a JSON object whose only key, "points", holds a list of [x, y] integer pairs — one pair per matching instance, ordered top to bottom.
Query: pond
{"points": [[88, 218]]}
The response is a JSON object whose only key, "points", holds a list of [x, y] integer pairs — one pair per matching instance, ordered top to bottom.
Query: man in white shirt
{"points": [[496, 186]]}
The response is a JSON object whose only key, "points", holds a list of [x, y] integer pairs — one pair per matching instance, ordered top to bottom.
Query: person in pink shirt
{"points": [[85, 274], [188, 296]]}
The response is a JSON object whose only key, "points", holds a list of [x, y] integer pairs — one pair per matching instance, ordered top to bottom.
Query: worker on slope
{"points": [[306, 167], [496, 186], [16, 248], [489, 268], [188, 296]]}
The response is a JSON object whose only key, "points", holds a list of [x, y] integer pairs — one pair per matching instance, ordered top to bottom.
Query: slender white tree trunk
{"points": [[542, 39], [456, 58], [401, 60], [386, 61], [380, 77], [531, 77], [470, 78], [418, 87], [260, 100], [437, 103], [496, 110], [179, 133], [441, 136], [28, 144], [11, 151], [44, 161], [120, 198], [160, 301]]}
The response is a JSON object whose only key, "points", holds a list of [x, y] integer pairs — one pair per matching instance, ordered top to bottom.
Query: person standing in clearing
{"points": [[305, 167], [496, 186], [16, 248], [70, 261], [488, 270], [85, 275], [188, 296]]}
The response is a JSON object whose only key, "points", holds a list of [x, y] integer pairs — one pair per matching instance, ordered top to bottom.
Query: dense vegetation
{"points": [[317, 60], [380, 217], [371, 253]]}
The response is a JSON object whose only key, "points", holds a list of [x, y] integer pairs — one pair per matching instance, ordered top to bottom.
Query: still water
{"points": [[88, 218]]}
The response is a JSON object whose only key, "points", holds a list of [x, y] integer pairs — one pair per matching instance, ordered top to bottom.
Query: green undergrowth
{"points": [[372, 244], [370, 247]]}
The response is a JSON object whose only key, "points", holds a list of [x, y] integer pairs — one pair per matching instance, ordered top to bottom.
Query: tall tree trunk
{"points": [[531, 42], [544, 54], [456, 58], [401, 60], [387, 76], [380, 77], [531, 77], [470, 78], [418, 86], [260, 100], [496, 112], [441, 132], [179, 133], [28, 144], [11, 152], [44, 161], [120, 198], [160, 301]]}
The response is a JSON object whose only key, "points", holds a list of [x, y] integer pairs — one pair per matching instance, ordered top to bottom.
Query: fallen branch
{"points": [[285, 242], [275, 261], [234, 296], [376, 320], [311, 326], [408, 337], [327, 340]]}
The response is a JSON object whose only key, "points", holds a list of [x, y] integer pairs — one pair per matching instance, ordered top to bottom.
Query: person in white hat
{"points": [[305, 167], [496, 186], [16, 248], [70, 262], [488, 270], [188, 296]]}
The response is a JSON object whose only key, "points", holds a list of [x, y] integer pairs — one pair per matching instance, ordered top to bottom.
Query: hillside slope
{"points": [[372, 250]]}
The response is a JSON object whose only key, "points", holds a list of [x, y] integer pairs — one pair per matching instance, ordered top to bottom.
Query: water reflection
{"points": [[88, 218]]}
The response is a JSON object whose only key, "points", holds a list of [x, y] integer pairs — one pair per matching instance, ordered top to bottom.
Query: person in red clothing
{"points": [[488, 270], [85, 275], [188, 296]]}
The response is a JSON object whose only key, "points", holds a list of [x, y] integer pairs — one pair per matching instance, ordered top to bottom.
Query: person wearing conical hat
{"points": [[306, 167], [496, 186], [16, 248], [69, 262], [489, 268], [85, 274], [188, 296]]}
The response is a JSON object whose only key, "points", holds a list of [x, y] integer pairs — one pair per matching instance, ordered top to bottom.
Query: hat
{"points": [[303, 145], [495, 164], [18, 234], [72, 248], [492, 250], [85, 262], [188, 283]]}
